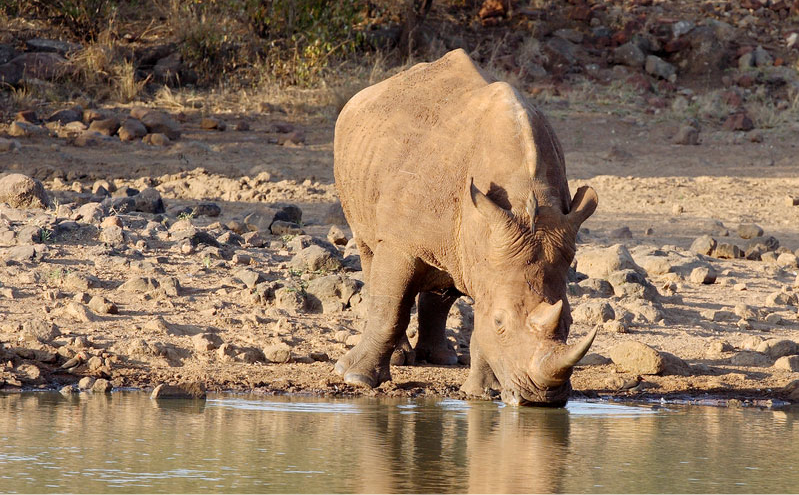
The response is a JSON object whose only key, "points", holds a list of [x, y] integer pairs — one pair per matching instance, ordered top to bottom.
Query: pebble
{"points": [[686, 135], [749, 231], [337, 236], [703, 245], [703, 275], [101, 305], [593, 312], [615, 327], [204, 342], [278, 353], [636, 357], [789, 363], [86, 383]]}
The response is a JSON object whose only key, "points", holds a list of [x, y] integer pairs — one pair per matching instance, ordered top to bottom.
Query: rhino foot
{"points": [[404, 354], [442, 354], [359, 368]]}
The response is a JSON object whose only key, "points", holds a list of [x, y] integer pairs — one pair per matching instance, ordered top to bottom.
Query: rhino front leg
{"points": [[390, 300], [433, 345], [481, 380]]}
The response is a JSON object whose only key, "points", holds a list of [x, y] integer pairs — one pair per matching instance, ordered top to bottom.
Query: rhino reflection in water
{"points": [[454, 184]]}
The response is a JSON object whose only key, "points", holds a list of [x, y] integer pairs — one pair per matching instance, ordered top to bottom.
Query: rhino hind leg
{"points": [[390, 300], [433, 345]]}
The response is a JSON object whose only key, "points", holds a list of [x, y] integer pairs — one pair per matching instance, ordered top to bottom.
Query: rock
{"points": [[51, 46], [629, 54], [761, 58], [34, 65], [660, 68], [63, 117], [738, 121], [159, 123], [211, 123], [106, 127], [24, 129], [131, 130], [686, 135], [156, 139], [7, 145], [21, 191], [789, 200], [149, 201], [207, 210], [91, 213], [335, 214], [279, 227], [749, 231], [621, 233], [113, 236], [337, 236], [725, 250], [24, 253], [315, 258], [787, 260], [600, 262], [654, 265], [703, 275], [249, 278], [630, 283], [139, 284], [596, 287], [330, 294], [289, 298], [780, 298], [103, 306], [744, 311], [79, 312], [593, 313], [613, 327], [36, 330], [204, 342], [719, 347], [777, 348], [278, 353], [638, 358], [594, 359], [751, 359], [789, 363], [673, 365], [86, 383], [101, 386], [194, 390], [791, 391]]}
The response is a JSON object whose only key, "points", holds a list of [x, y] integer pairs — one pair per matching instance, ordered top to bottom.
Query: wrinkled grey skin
{"points": [[453, 184]]}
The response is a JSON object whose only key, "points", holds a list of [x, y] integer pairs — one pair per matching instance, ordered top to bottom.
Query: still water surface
{"points": [[127, 443]]}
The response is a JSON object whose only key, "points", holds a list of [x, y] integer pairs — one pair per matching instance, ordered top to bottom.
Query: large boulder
{"points": [[21, 191]]}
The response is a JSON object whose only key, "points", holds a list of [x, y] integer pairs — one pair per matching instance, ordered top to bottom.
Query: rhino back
{"points": [[406, 148]]}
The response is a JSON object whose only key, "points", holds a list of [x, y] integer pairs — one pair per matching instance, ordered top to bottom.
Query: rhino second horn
{"points": [[545, 317], [553, 368]]}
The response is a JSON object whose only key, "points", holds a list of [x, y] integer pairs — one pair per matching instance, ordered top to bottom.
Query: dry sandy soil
{"points": [[667, 194]]}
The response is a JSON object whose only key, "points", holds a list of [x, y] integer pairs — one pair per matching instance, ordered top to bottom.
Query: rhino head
{"points": [[522, 315]]}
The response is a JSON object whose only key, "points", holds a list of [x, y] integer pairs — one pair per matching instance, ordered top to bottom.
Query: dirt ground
{"points": [[667, 194]]}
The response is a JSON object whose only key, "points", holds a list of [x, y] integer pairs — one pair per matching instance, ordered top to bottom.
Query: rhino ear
{"points": [[583, 205], [490, 210], [545, 317]]}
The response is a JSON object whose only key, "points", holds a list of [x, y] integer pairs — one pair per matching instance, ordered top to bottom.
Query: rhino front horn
{"points": [[554, 367]]}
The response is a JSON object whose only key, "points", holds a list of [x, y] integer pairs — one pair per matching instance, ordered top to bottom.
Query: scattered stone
{"points": [[629, 54], [660, 68], [63, 117], [738, 121], [159, 123], [211, 123], [106, 127], [24, 129], [131, 130], [686, 135], [156, 139], [9, 145], [21, 191], [790, 200], [149, 201], [206, 210], [749, 231], [337, 236], [725, 250], [315, 258], [787, 260], [600, 262], [703, 275], [249, 278], [630, 283], [139, 284], [596, 287], [330, 294], [289, 298], [780, 298], [103, 306], [79, 312], [593, 312], [615, 327], [204, 342], [719, 347], [776, 348], [278, 353], [319, 356], [635, 357], [594, 359], [751, 359], [789, 363], [674, 365], [86, 383], [102, 386], [194, 390]]}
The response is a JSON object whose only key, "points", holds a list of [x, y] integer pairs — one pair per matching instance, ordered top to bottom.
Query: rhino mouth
{"points": [[538, 397]]}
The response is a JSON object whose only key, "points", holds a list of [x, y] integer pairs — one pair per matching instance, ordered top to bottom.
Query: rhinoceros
{"points": [[454, 184]]}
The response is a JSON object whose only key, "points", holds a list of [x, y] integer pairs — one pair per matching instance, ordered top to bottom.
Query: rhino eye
{"points": [[499, 321]]}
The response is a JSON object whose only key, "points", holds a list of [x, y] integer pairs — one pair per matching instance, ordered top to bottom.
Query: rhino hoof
{"points": [[359, 380]]}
